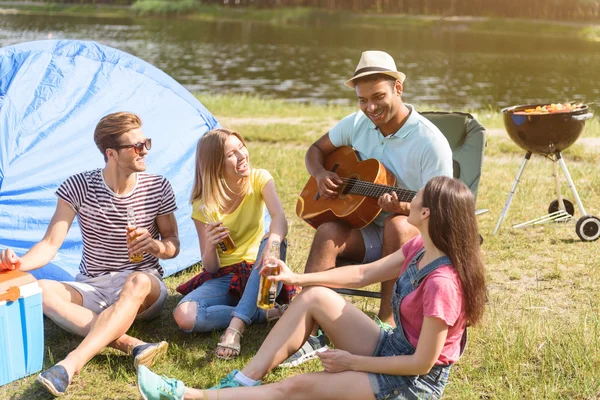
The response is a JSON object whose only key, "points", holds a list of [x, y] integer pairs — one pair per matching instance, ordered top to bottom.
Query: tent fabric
{"points": [[52, 94]]}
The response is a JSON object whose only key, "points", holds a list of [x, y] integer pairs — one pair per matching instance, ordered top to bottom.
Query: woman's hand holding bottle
{"points": [[215, 233], [271, 239], [286, 275]]}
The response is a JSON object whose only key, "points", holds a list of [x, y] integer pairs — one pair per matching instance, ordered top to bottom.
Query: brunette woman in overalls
{"points": [[440, 290]]}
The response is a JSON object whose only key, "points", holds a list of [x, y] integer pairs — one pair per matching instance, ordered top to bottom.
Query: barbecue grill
{"points": [[548, 135]]}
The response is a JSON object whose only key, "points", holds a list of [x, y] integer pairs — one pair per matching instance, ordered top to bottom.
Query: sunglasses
{"points": [[138, 147]]}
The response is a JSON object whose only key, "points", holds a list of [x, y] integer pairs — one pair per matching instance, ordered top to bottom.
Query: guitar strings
{"points": [[375, 190]]}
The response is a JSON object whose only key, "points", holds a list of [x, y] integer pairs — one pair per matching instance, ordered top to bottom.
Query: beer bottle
{"points": [[131, 226], [226, 246], [268, 289]]}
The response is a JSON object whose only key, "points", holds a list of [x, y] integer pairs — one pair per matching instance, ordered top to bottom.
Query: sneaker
{"points": [[383, 325], [308, 351], [146, 354], [55, 380], [230, 382], [155, 387]]}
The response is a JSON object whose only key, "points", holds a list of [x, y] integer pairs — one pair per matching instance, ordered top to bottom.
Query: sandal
{"points": [[280, 308], [229, 345]]}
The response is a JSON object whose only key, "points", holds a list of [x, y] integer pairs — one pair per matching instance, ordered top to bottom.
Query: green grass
{"points": [[159, 7], [241, 106], [539, 336]]}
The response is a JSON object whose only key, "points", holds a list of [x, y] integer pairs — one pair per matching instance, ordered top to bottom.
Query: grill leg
{"points": [[571, 184], [512, 192], [561, 204]]}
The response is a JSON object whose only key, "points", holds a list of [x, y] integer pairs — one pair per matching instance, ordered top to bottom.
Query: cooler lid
{"points": [[9, 279]]}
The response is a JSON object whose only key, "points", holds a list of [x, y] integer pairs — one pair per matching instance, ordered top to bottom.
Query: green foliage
{"points": [[162, 7], [537, 9], [85, 10], [485, 17], [591, 33]]}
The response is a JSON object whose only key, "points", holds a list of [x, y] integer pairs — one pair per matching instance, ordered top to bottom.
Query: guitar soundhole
{"points": [[348, 186]]}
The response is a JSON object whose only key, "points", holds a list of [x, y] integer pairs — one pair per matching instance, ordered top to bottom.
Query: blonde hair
{"points": [[110, 128], [209, 183]]}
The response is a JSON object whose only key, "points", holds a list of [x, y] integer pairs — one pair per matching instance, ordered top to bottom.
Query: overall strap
{"points": [[429, 268]]}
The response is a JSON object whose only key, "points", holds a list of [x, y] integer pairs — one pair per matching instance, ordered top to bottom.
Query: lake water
{"points": [[454, 69]]}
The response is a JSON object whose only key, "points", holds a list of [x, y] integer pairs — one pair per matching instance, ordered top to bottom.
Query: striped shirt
{"points": [[102, 216]]}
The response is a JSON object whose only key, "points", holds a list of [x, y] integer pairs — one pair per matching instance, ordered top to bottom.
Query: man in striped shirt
{"points": [[112, 289]]}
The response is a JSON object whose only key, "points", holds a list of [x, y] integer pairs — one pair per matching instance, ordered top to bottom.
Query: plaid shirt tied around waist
{"points": [[241, 272]]}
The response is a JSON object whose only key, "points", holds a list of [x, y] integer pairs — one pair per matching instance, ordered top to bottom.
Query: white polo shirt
{"points": [[415, 153]]}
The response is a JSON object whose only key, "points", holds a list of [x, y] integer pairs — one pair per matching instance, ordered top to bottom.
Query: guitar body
{"points": [[355, 210]]}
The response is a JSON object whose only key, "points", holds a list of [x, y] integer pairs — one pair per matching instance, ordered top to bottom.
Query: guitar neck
{"points": [[375, 190]]}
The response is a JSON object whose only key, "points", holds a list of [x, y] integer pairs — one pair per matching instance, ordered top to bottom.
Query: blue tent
{"points": [[52, 94]]}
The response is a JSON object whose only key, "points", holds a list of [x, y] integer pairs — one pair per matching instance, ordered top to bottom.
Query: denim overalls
{"points": [[395, 343]]}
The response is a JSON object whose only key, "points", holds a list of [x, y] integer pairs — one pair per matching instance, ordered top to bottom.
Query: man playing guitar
{"points": [[406, 143]]}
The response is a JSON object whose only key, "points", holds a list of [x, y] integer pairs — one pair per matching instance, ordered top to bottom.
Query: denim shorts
{"points": [[397, 387]]}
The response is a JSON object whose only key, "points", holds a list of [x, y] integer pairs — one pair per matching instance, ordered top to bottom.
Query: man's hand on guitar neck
{"points": [[329, 184], [389, 202]]}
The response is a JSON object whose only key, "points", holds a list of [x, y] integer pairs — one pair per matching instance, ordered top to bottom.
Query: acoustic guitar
{"points": [[356, 203]]}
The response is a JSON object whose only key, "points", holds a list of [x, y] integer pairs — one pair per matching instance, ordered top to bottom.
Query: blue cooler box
{"points": [[21, 326]]}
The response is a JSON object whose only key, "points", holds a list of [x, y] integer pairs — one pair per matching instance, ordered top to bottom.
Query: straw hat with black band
{"points": [[375, 62]]}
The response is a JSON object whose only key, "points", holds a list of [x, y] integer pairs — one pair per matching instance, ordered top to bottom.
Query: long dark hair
{"points": [[453, 230]]}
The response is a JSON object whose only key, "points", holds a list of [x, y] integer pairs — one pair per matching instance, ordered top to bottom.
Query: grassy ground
{"points": [[539, 337]]}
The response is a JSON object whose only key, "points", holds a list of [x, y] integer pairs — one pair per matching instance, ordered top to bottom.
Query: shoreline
{"points": [[586, 31]]}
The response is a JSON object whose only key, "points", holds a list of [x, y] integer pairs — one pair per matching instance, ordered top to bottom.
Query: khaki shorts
{"points": [[103, 291]]}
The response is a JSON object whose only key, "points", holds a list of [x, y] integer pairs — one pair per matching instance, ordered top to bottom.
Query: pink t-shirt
{"points": [[440, 295]]}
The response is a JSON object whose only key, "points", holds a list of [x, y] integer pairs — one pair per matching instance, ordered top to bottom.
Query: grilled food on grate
{"points": [[550, 108]]}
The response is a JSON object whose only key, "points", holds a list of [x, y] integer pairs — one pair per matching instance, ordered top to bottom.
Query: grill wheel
{"points": [[553, 207], [588, 228]]}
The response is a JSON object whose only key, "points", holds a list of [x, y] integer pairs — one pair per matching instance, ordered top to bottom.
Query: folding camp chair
{"points": [[466, 136]]}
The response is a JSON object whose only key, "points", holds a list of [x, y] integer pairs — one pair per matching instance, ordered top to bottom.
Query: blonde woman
{"points": [[224, 295]]}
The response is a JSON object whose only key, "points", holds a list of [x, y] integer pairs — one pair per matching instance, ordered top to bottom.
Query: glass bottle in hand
{"points": [[132, 226], [226, 246], [268, 289]]}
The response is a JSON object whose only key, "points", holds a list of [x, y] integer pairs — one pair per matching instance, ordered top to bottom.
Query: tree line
{"points": [[544, 9], [567, 10]]}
